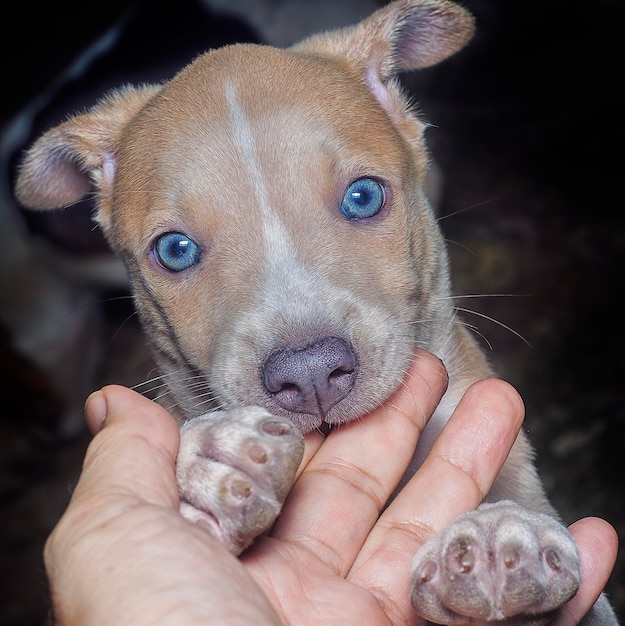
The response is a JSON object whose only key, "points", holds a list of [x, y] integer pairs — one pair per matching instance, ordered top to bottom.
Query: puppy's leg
{"points": [[234, 470], [499, 563]]}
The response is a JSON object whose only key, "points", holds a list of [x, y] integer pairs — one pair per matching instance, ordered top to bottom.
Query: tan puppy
{"points": [[269, 207]]}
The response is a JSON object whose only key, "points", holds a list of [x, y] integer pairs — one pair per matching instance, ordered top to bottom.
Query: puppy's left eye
{"points": [[364, 198], [176, 252]]}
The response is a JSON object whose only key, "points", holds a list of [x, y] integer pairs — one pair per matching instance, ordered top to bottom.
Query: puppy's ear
{"points": [[404, 35], [63, 164]]}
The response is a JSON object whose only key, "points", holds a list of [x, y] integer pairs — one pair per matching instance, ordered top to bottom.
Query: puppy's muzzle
{"points": [[313, 379]]}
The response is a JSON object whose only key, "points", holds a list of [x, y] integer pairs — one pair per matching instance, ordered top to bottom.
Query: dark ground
{"points": [[526, 133]]}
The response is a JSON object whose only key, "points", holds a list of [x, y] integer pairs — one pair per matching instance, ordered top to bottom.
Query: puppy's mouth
{"points": [[325, 429]]}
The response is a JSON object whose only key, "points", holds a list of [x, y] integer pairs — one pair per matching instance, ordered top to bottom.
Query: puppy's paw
{"points": [[234, 471], [499, 563]]}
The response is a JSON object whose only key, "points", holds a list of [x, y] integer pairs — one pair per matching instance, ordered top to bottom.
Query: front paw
{"points": [[234, 471], [498, 563]]}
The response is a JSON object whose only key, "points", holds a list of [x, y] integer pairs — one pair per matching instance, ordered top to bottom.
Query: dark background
{"points": [[527, 133]]}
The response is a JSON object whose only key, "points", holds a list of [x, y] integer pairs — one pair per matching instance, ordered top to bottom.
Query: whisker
{"points": [[468, 208], [461, 245], [487, 295], [495, 321], [120, 327], [475, 331], [176, 376], [154, 379], [196, 388], [204, 398], [210, 401]]}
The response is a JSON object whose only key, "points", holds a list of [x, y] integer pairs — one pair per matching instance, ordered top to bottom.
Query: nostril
{"points": [[337, 373], [287, 387]]}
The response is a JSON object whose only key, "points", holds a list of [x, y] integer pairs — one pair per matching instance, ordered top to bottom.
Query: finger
{"points": [[312, 442], [134, 451], [129, 462], [356, 469], [455, 476], [597, 543]]}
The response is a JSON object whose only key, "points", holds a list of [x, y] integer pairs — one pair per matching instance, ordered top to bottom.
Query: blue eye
{"points": [[364, 198], [176, 252]]}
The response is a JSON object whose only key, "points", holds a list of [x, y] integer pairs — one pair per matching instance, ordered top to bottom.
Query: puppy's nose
{"points": [[311, 379]]}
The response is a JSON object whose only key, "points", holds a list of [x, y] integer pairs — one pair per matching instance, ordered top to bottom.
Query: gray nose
{"points": [[311, 379]]}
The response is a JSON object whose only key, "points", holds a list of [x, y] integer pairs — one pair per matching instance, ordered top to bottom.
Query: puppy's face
{"points": [[264, 203], [269, 206]]}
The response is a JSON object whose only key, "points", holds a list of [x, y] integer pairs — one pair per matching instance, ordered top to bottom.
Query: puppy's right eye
{"points": [[364, 198], [176, 252]]}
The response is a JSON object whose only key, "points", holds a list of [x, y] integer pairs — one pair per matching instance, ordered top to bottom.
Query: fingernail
{"points": [[95, 410]]}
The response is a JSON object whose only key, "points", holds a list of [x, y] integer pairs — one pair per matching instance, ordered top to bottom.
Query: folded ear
{"points": [[404, 35], [63, 164]]}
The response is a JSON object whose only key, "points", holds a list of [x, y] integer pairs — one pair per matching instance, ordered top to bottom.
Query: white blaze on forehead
{"points": [[278, 243], [289, 289]]}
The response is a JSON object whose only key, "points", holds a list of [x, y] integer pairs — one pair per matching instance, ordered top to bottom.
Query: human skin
{"points": [[122, 554]]}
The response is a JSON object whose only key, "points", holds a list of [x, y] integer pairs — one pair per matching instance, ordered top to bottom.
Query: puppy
{"points": [[269, 206]]}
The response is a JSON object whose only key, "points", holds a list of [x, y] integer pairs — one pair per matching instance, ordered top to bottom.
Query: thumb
{"points": [[134, 450], [129, 467]]}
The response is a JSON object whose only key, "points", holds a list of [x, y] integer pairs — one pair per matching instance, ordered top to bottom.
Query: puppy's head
{"points": [[269, 207]]}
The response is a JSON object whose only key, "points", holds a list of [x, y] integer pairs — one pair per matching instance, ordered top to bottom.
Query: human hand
{"points": [[122, 553]]}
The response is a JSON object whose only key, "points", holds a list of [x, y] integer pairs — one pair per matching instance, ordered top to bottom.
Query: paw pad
{"points": [[276, 428], [257, 454], [234, 471], [240, 489], [510, 557], [465, 559], [553, 560], [500, 563], [427, 572]]}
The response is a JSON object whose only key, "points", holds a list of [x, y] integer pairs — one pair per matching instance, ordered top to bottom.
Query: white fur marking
{"points": [[381, 94], [109, 165], [278, 244]]}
